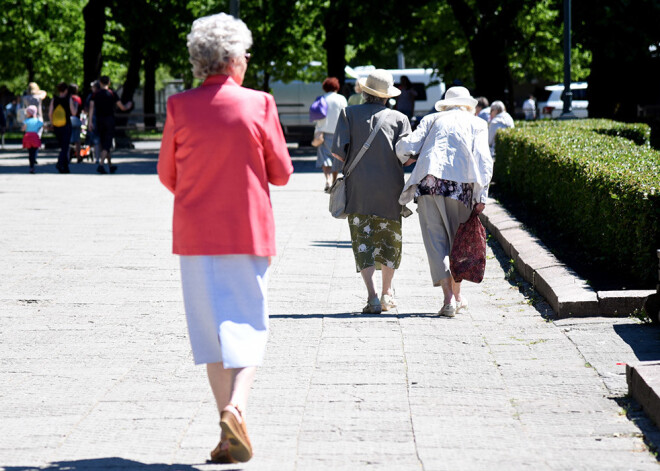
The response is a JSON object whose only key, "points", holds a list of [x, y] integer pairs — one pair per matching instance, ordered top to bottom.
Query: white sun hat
{"points": [[379, 83], [456, 96]]}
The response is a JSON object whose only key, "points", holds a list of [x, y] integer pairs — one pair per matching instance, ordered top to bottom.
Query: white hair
{"points": [[213, 40], [498, 107], [467, 108]]}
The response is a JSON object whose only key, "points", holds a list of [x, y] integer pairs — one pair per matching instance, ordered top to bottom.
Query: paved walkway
{"points": [[96, 371]]}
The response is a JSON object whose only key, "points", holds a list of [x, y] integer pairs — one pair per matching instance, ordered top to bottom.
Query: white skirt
{"points": [[226, 308]]}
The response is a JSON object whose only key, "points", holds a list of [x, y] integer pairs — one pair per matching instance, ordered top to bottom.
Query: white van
{"points": [[294, 98], [552, 105]]}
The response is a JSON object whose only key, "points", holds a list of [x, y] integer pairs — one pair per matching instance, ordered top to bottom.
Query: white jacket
{"points": [[336, 103], [500, 121], [452, 145]]}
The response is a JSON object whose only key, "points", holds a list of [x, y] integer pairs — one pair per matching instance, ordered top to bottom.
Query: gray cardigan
{"points": [[374, 186]]}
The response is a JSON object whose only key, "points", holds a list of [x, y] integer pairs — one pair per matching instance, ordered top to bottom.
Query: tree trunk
{"points": [[94, 16], [335, 23], [150, 62], [492, 77], [265, 86]]}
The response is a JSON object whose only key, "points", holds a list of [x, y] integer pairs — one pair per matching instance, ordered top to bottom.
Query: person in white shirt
{"points": [[529, 108], [499, 119], [326, 126], [450, 180]]}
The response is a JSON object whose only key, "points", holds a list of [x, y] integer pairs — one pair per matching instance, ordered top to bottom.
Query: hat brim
{"points": [[391, 91], [458, 101]]}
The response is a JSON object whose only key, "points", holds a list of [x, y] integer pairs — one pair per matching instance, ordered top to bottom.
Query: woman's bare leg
{"points": [[388, 275], [368, 277], [230, 386]]}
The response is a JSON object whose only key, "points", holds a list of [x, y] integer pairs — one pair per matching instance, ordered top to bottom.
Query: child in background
{"points": [[31, 139]]}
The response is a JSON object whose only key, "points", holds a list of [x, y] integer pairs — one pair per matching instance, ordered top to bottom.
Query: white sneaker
{"points": [[387, 302], [462, 305], [448, 310]]}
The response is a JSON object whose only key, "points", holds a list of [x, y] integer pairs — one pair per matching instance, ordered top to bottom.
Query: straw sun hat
{"points": [[379, 83], [456, 96]]}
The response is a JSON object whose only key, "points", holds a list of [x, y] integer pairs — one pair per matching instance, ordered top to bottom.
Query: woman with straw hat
{"points": [[451, 178], [374, 185]]}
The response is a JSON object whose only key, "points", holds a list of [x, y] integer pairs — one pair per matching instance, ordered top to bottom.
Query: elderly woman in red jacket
{"points": [[222, 145]]}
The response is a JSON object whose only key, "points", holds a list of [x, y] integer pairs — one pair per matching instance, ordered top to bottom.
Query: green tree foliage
{"points": [[287, 37], [624, 37], [40, 41], [490, 45]]}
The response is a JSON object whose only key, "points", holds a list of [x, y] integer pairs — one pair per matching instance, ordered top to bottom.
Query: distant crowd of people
{"points": [[70, 119]]}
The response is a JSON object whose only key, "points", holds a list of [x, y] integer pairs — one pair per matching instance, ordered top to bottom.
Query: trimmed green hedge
{"points": [[597, 180]]}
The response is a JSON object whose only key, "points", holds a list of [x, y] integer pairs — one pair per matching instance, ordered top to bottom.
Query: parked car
{"points": [[553, 104]]}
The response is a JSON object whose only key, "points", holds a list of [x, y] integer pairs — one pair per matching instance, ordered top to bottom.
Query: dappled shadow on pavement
{"points": [[644, 339], [109, 463]]}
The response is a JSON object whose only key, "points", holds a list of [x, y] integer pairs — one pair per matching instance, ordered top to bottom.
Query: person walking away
{"points": [[33, 96], [356, 98], [405, 102], [61, 108], [529, 108], [482, 109], [12, 114], [102, 116], [499, 119], [76, 123], [327, 125], [3, 127], [93, 138], [31, 139], [451, 178], [374, 185], [223, 226]]}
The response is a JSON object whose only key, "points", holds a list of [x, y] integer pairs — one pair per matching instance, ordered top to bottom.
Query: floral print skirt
{"points": [[376, 241]]}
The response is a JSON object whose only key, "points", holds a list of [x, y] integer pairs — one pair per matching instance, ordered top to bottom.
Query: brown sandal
{"points": [[240, 447], [221, 454]]}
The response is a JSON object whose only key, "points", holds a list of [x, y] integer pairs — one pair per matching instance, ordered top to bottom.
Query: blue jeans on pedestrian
{"points": [[63, 135]]}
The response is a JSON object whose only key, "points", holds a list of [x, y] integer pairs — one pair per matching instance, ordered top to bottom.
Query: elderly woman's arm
{"points": [[409, 146], [481, 152], [276, 154], [166, 162]]}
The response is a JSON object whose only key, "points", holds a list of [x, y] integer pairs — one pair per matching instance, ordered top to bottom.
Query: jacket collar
{"points": [[219, 79]]}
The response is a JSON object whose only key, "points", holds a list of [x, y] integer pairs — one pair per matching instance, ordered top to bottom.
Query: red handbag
{"points": [[467, 259]]}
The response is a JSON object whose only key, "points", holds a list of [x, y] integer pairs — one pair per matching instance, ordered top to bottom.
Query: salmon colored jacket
{"points": [[222, 145]]}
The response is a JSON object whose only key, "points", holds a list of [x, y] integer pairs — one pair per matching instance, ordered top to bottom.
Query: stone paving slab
{"points": [[96, 370]]}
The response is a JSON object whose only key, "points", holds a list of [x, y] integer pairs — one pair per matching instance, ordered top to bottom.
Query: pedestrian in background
{"points": [[33, 96], [356, 98], [405, 102], [529, 108], [482, 109], [60, 110], [102, 119], [499, 119], [76, 123], [3, 127], [92, 137], [31, 139], [324, 160], [451, 178], [374, 185], [223, 225]]}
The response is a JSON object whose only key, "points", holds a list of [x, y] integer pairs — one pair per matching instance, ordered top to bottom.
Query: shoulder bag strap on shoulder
{"points": [[367, 143]]}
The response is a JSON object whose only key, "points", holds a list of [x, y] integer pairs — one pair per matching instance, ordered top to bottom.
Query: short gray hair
{"points": [[213, 40], [369, 98], [498, 107]]}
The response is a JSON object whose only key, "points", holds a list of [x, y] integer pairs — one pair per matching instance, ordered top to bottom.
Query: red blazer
{"points": [[222, 145]]}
